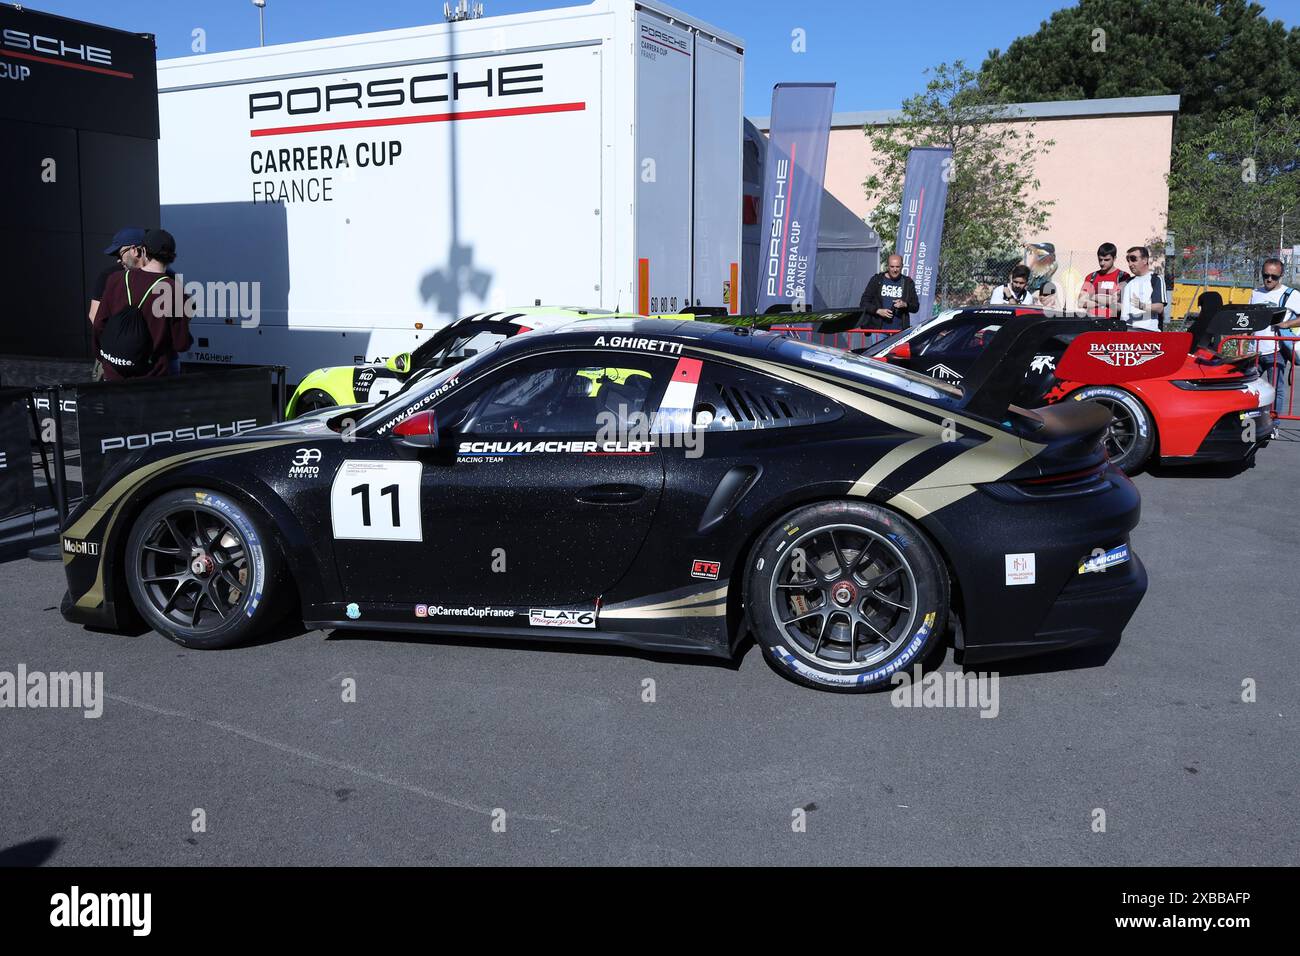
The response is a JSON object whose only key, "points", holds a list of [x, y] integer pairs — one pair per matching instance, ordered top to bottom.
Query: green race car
{"points": [[450, 345]]}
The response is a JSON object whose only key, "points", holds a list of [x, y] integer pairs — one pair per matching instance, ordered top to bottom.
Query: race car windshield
{"points": [[879, 373], [421, 388]]}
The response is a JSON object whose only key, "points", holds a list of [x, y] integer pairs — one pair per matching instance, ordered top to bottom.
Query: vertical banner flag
{"points": [[792, 193], [920, 222]]}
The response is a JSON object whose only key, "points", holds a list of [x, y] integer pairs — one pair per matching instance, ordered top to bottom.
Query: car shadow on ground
{"points": [[1229, 469], [1081, 658], [32, 853]]}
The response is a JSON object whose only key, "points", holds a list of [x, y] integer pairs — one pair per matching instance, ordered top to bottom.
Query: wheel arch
{"points": [[1129, 388], [115, 556], [735, 620]]}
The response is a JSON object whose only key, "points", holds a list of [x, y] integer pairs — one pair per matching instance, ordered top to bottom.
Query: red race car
{"points": [[1205, 408]]}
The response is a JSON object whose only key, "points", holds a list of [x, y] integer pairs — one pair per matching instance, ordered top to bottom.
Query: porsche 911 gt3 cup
{"points": [[844, 511]]}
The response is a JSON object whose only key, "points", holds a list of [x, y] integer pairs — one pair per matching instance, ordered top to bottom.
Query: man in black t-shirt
{"points": [[890, 298]]}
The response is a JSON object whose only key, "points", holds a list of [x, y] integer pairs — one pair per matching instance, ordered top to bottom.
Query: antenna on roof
{"points": [[463, 10]]}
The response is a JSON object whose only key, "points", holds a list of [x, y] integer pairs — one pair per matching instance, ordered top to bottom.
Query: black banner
{"points": [[61, 72], [116, 418], [17, 489], [121, 905]]}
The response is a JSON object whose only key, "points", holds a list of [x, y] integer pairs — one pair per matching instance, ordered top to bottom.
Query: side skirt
{"points": [[665, 643]]}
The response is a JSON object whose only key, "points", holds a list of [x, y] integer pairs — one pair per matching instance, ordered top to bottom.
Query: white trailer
{"points": [[376, 186]]}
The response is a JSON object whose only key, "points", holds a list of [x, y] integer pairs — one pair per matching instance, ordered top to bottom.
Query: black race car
{"points": [[666, 485]]}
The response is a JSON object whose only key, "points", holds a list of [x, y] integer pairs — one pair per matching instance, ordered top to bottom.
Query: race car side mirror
{"points": [[399, 363], [418, 431]]}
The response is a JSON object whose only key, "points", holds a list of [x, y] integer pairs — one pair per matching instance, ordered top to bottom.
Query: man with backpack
{"points": [[141, 326], [1275, 356]]}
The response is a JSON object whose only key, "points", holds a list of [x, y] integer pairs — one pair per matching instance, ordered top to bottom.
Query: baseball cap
{"points": [[126, 236], [159, 240]]}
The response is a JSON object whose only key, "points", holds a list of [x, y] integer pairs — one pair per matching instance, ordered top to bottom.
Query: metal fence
{"points": [[1193, 269]]}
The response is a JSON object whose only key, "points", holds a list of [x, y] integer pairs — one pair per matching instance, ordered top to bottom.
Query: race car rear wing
{"points": [[1232, 320], [823, 321], [999, 371]]}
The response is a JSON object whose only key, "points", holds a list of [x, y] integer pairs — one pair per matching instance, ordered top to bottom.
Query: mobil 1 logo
{"points": [[377, 501]]}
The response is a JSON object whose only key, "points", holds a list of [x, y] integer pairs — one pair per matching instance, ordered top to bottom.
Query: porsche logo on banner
{"points": [[1108, 358]]}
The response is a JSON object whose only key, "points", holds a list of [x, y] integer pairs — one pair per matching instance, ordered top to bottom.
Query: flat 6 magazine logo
{"points": [[547, 617]]}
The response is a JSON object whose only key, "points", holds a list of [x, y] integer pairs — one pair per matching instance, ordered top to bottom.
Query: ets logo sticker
{"points": [[709, 570]]}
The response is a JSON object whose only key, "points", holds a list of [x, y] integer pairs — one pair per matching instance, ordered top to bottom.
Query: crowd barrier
{"points": [[1282, 411], [57, 442], [19, 504]]}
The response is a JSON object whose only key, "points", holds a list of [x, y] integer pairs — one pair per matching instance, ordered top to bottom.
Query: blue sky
{"points": [[875, 51]]}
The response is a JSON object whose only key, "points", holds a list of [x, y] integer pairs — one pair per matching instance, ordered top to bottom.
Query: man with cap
{"points": [[127, 251], [155, 289]]}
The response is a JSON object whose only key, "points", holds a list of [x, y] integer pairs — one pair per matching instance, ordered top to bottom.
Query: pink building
{"points": [[1106, 172]]}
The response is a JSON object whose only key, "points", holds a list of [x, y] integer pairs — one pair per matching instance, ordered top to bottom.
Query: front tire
{"points": [[313, 400], [1131, 437], [201, 571], [843, 595]]}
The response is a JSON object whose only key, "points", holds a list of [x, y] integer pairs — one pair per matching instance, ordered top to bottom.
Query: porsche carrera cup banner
{"points": [[792, 192], [920, 222], [116, 418], [17, 490]]}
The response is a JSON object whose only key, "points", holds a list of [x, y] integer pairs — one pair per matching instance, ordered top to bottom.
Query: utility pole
{"points": [[261, 21]]}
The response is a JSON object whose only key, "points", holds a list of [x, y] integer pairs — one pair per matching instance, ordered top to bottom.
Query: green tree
{"points": [[1215, 55], [1231, 185], [991, 204]]}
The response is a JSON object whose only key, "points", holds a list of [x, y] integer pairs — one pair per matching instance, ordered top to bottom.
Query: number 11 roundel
{"points": [[377, 501]]}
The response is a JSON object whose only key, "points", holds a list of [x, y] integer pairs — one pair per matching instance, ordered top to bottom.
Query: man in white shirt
{"points": [[1016, 291], [1143, 303], [1273, 361]]}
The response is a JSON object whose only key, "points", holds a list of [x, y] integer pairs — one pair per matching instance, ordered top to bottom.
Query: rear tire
{"points": [[1132, 434], [202, 572], [843, 595]]}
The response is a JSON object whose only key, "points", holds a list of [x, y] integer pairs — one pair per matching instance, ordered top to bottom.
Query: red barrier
{"points": [[1288, 413]]}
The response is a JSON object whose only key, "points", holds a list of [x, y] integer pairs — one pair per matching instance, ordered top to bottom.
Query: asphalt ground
{"points": [[449, 738]]}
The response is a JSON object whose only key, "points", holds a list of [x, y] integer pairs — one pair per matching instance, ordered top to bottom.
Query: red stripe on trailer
{"points": [[71, 66], [426, 118]]}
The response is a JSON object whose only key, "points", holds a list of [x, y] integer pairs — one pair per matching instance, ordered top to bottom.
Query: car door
{"points": [[534, 495]]}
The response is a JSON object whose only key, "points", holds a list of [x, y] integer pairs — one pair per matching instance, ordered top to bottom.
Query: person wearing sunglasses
{"points": [[1142, 304], [1277, 359]]}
